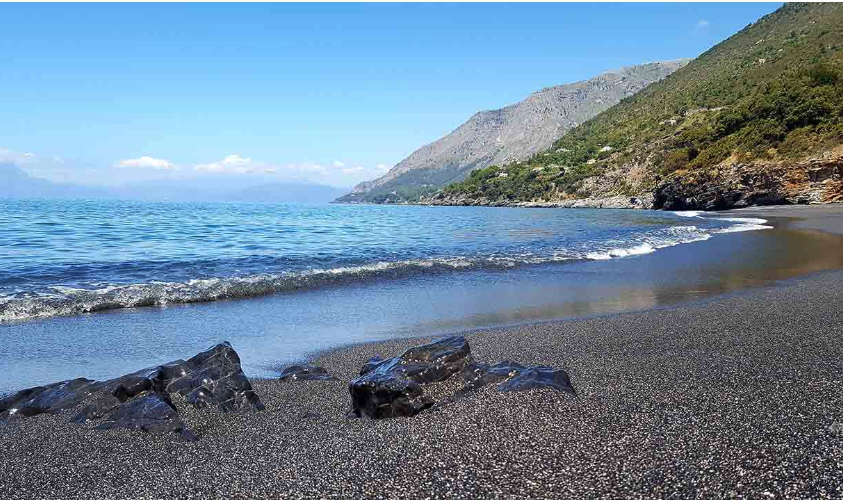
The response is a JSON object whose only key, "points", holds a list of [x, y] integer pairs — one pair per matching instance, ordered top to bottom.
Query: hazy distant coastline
{"points": [[15, 183]]}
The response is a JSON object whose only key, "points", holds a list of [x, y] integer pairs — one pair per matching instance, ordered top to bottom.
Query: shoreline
{"points": [[638, 202], [829, 221], [156, 294], [70, 300], [280, 329], [732, 394]]}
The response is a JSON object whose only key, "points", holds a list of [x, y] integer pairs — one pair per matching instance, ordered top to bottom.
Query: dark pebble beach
{"points": [[739, 395]]}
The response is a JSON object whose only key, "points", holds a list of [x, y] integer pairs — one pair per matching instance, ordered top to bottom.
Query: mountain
{"points": [[757, 119], [509, 134], [16, 183], [228, 189], [288, 192]]}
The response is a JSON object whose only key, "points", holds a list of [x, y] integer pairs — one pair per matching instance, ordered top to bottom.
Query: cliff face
{"points": [[757, 119], [509, 134], [813, 180], [733, 185]]}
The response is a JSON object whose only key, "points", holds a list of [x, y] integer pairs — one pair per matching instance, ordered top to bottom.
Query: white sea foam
{"points": [[688, 213], [743, 224]]}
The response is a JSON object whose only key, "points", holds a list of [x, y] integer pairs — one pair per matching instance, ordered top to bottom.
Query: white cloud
{"points": [[702, 24], [15, 158], [146, 162], [231, 163], [236, 164], [353, 170], [336, 172]]}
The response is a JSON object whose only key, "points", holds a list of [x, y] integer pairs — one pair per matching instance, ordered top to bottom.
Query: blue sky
{"points": [[329, 93]]}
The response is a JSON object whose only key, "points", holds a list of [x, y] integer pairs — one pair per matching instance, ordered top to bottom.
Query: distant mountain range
{"points": [[756, 119], [509, 134], [16, 183]]}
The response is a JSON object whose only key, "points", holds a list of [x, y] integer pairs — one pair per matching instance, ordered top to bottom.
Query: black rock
{"points": [[713, 193], [371, 364], [305, 372], [511, 376], [211, 378], [393, 387], [385, 392], [46, 399], [140, 399], [152, 412]]}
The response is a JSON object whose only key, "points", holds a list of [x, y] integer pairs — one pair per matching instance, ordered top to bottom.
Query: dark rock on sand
{"points": [[427, 363], [371, 365], [305, 372], [511, 376], [211, 378], [392, 387], [45, 399], [141, 400], [152, 412]]}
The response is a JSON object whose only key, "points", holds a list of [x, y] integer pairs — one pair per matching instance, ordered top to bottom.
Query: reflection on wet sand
{"points": [[784, 253]]}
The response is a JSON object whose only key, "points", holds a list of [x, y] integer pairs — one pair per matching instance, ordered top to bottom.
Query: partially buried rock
{"points": [[305, 372], [511, 376], [211, 378], [393, 387], [45, 399], [141, 400], [152, 412]]}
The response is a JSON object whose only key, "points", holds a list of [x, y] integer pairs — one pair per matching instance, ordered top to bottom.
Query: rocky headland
{"points": [[755, 120]]}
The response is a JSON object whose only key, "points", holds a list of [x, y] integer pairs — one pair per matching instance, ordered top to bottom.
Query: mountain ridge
{"points": [[756, 119], [507, 134], [16, 183]]}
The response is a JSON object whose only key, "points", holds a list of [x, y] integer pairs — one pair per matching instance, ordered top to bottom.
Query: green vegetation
{"points": [[771, 92]]}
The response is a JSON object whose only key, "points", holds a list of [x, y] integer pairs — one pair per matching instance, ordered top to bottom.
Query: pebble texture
{"points": [[734, 396]]}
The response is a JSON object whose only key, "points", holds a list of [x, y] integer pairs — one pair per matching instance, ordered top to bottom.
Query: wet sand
{"points": [[739, 393]]}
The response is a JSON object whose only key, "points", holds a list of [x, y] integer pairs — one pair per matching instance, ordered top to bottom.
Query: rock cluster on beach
{"points": [[392, 387], [142, 400]]}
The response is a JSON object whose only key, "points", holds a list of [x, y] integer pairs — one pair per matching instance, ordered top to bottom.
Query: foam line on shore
{"points": [[67, 301]]}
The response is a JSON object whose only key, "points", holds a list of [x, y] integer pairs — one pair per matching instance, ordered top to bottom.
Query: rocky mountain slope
{"points": [[757, 119], [509, 134]]}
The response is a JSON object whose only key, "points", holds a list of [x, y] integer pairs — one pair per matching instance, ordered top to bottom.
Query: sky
{"points": [[110, 94]]}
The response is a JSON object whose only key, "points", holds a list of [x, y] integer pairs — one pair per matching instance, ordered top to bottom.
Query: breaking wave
{"points": [[742, 223], [64, 301]]}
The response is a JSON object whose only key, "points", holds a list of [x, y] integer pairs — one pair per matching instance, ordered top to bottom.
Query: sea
{"points": [[98, 288]]}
